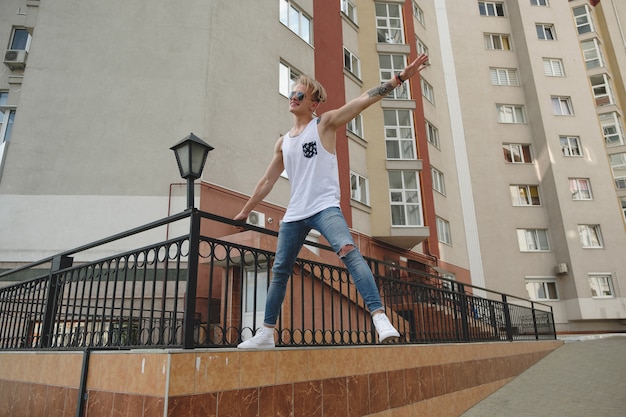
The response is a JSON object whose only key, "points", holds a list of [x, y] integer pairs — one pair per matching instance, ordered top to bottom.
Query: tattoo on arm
{"points": [[381, 91]]}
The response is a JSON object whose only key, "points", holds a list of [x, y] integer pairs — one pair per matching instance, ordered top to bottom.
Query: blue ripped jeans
{"points": [[332, 225]]}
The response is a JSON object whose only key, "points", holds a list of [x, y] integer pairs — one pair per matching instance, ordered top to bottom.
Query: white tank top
{"points": [[313, 174]]}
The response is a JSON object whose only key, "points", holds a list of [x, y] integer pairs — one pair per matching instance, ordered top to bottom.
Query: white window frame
{"points": [[539, 3], [348, 7], [491, 8], [418, 13], [296, 20], [584, 22], [389, 23], [545, 31], [497, 41], [26, 46], [421, 46], [592, 53], [351, 62], [388, 66], [553, 67], [504, 76], [286, 78], [601, 88], [427, 91], [562, 106], [511, 113], [7, 118], [356, 126], [612, 129], [432, 135], [399, 138], [571, 146], [517, 153], [618, 166], [438, 179], [359, 188], [580, 189], [525, 195], [406, 201], [622, 201], [443, 231], [590, 236], [533, 240], [601, 283], [537, 287]]}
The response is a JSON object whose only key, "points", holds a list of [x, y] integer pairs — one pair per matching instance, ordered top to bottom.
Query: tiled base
{"points": [[381, 381]]}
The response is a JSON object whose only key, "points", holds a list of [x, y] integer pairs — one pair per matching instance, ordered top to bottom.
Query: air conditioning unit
{"points": [[15, 58], [256, 218], [561, 268]]}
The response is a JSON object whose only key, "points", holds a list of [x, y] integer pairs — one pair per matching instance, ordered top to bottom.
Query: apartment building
{"points": [[503, 166]]}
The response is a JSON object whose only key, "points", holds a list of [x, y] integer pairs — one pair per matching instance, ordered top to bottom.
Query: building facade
{"points": [[503, 166]]}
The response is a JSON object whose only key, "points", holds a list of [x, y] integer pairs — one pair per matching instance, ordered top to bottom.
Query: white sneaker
{"points": [[386, 332], [263, 339]]}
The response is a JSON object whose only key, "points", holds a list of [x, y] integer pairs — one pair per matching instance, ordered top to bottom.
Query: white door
{"points": [[249, 313]]}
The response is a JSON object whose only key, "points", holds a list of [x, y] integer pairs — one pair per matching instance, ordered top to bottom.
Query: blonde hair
{"points": [[318, 92]]}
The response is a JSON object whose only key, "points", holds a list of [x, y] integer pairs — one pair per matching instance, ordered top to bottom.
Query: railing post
{"points": [[59, 262], [463, 299], [189, 319], [507, 319]]}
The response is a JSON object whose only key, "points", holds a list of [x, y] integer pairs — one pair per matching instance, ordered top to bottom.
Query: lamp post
{"points": [[191, 153]]}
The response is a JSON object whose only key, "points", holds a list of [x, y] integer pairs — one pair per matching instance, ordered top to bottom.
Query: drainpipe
{"points": [[82, 388]]}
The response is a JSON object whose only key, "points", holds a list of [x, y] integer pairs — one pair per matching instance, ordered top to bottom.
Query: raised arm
{"points": [[333, 119], [266, 182]]}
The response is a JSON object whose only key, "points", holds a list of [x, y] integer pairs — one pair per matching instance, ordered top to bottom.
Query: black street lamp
{"points": [[191, 154]]}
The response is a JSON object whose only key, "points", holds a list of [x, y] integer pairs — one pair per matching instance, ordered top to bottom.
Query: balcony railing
{"points": [[195, 290]]}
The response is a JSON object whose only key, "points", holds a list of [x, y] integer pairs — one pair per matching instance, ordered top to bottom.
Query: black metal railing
{"points": [[199, 291]]}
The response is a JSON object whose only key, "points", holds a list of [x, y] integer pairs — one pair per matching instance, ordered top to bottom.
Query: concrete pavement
{"points": [[586, 377]]}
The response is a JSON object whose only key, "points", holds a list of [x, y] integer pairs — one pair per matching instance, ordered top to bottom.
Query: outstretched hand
{"points": [[414, 67]]}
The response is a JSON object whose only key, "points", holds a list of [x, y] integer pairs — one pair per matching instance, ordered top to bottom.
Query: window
{"points": [[539, 2], [491, 8], [349, 9], [418, 13], [582, 15], [296, 20], [389, 23], [545, 31], [20, 40], [497, 41], [421, 46], [592, 53], [351, 62], [388, 66], [553, 67], [287, 76], [504, 76], [601, 89], [427, 91], [562, 106], [509, 113], [7, 118], [356, 125], [612, 129], [399, 134], [432, 134], [570, 146], [517, 153], [618, 165], [438, 181], [359, 188], [580, 188], [525, 195], [405, 199], [622, 201], [443, 231], [590, 235], [533, 240], [601, 286], [539, 290]]}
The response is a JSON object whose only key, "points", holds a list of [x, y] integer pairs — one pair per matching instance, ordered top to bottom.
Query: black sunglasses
{"points": [[298, 95]]}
